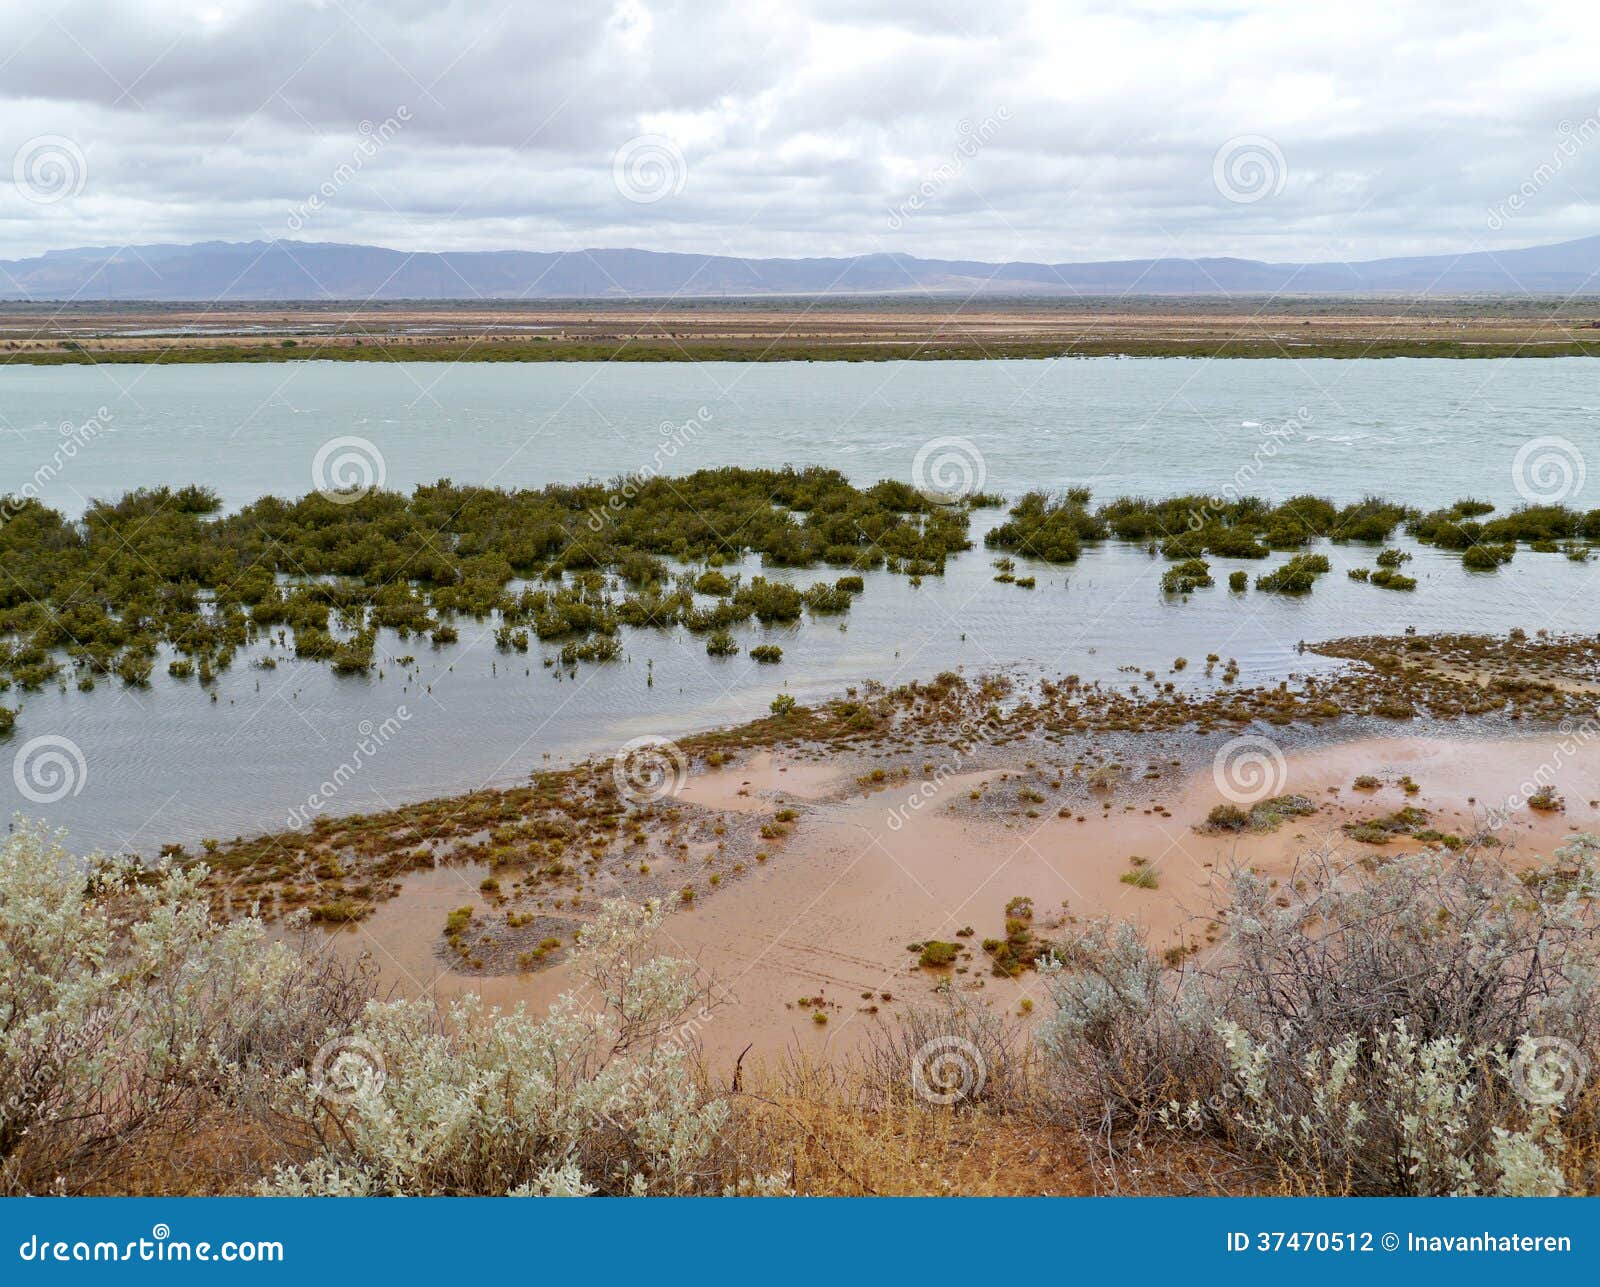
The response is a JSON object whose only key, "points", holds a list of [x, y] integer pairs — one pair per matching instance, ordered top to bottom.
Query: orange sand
{"points": [[832, 912]]}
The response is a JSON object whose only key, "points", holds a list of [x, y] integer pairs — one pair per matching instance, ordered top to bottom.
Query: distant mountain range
{"points": [[297, 270]]}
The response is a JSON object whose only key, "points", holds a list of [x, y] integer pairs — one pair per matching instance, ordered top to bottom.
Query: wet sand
{"points": [[863, 875]]}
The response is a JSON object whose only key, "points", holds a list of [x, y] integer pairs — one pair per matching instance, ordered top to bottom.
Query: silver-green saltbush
{"points": [[124, 1006], [1422, 1028], [597, 1096]]}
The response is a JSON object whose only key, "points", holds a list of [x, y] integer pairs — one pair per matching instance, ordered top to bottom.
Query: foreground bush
{"points": [[125, 1010], [128, 1014], [1421, 1029], [589, 1099]]}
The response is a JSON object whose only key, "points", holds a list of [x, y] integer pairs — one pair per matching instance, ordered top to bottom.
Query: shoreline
{"points": [[799, 330], [874, 351], [336, 639], [1495, 687], [797, 868], [825, 927]]}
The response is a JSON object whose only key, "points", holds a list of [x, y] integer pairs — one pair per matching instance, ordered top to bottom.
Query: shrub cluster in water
{"points": [[1186, 527], [1055, 528], [1485, 543], [164, 566], [1296, 576]]}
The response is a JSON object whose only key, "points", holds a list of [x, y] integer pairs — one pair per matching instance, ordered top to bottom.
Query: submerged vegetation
{"points": [[1054, 528], [1184, 528], [320, 575], [1297, 576], [163, 578]]}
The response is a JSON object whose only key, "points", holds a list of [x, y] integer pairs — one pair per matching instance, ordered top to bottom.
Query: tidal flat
{"points": [[810, 860]]}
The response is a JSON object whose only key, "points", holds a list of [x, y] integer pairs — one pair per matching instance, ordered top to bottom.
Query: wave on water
{"points": [[1358, 439]]}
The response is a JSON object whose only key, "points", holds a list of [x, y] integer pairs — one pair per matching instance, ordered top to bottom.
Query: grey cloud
{"points": [[802, 125]]}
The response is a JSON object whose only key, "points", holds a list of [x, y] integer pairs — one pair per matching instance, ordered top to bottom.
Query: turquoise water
{"points": [[1430, 428], [171, 764]]}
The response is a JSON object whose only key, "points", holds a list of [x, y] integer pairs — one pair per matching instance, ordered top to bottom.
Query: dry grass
{"points": [[834, 1133], [213, 1153]]}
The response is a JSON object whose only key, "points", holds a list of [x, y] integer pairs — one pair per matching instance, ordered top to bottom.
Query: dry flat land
{"points": [[798, 330]]}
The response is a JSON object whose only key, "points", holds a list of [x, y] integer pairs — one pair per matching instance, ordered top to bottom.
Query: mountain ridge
{"points": [[285, 270]]}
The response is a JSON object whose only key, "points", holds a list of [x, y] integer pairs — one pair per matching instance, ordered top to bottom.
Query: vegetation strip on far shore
{"points": [[77, 353]]}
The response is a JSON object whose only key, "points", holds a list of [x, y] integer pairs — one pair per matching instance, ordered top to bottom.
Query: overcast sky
{"points": [[996, 129]]}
